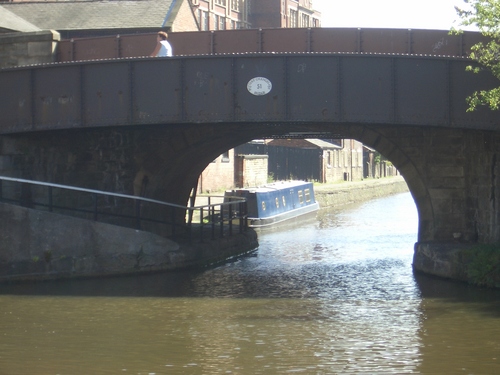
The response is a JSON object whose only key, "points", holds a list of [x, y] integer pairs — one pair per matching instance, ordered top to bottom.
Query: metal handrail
{"points": [[221, 214]]}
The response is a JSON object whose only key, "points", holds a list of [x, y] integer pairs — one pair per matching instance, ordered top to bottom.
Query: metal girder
{"points": [[274, 88]]}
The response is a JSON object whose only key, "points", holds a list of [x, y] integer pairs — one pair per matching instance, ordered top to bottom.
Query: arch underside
{"points": [[451, 173]]}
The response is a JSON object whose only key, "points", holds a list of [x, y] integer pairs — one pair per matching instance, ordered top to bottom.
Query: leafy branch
{"points": [[485, 15]]}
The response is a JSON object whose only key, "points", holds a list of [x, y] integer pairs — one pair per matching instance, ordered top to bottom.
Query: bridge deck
{"points": [[362, 76], [307, 88]]}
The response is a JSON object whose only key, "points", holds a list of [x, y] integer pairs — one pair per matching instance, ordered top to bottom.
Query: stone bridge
{"points": [[119, 124]]}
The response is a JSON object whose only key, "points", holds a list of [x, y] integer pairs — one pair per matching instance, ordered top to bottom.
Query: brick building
{"points": [[284, 13], [246, 14], [85, 18], [318, 160], [231, 170]]}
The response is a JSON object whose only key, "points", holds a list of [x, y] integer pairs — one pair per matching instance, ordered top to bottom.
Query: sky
{"points": [[400, 14]]}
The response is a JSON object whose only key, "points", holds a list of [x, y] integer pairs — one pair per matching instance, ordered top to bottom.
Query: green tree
{"points": [[485, 15]]}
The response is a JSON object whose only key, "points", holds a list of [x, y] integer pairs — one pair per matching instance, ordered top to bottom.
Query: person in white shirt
{"points": [[163, 47]]}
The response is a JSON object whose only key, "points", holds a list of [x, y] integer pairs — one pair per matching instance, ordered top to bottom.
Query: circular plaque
{"points": [[259, 86]]}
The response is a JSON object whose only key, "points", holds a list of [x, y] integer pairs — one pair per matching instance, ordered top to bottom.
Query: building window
{"points": [[220, 2], [236, 5], [293, 18], [203, 20], [305, 20], [216, 22], [219, 22], [225, 157]]}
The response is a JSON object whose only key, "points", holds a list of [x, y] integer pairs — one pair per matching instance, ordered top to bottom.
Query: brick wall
{"points": [[185, 19], [28, 48], [342, 165], [251, 170], [227, 173], [218, 175]]}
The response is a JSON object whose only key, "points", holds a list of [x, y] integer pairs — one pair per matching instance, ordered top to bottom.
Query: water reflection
{"points": [[333, 296]]}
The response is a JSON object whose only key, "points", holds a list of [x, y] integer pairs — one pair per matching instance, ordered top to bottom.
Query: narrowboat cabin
{"points": [[278, 202]]}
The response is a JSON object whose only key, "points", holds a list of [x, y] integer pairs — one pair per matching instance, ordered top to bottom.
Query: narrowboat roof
{"points": [[280, 185]]}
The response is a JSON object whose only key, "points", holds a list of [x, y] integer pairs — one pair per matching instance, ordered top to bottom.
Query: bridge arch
{"points": [[167, 119], [373, 137], [451, 174]]}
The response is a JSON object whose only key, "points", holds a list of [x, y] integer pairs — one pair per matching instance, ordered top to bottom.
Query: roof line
{"points": [[167, 16]]}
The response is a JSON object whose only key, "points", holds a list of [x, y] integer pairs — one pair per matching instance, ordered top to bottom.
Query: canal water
{"points": [[333, 296]]}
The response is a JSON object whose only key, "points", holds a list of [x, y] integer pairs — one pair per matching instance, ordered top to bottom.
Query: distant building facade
{"points": [[284, 13], [221, 14], [246, 14], [317, 160], [231, 170]]}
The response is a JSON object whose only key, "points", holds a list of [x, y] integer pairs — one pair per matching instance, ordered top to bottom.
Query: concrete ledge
{"points": [[35, 36], [17, 49]]}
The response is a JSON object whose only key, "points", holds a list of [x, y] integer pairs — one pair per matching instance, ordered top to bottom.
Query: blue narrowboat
{"points": [[275, 203]]}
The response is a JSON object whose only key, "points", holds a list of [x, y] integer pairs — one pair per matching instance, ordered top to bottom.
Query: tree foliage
{"points": [[485, 15]]}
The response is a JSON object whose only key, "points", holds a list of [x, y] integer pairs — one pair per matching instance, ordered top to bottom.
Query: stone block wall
{"points": [[17, 49]]}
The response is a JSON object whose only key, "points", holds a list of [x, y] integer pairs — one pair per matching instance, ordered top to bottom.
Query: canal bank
{"points": [[348, 192], [39, 245]]}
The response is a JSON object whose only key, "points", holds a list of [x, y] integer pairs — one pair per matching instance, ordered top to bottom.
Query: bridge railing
{"points": [[300, 40], [218, 218]]}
